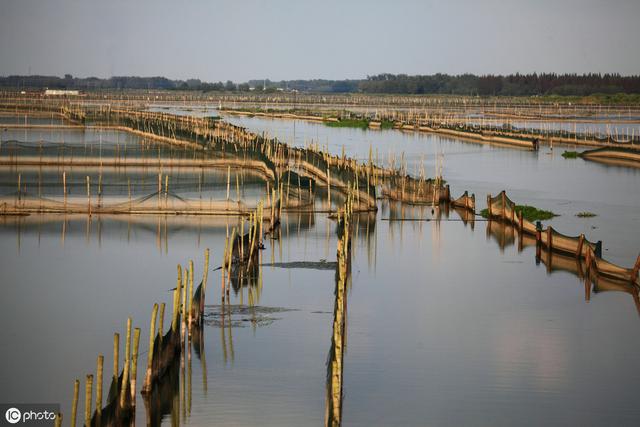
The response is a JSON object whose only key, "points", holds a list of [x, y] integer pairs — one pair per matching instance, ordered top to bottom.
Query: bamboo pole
{"points": [[228, 180], [89, 194], [205, 275], [176, 300], [190, 304], [161, 320], [152, 334], [116, 356], [134, 365], [126, 366], [99, 374], [88, 394], [74, 405]]}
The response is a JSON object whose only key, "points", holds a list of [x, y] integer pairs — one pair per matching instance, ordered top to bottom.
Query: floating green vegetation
{"points": [[349, 123], [387, 124], [570, 154], [530, 213], [585, 214]]}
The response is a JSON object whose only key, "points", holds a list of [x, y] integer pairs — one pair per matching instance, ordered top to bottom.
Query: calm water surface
{"points": [[447, 324]]}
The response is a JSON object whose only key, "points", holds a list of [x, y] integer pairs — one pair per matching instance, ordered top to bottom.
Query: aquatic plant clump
{"points": [[349, 123], [387, 124], [570, 154], [530, 213], [586, 214]]}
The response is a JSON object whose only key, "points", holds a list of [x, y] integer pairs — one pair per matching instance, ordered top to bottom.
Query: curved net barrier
{"points": [[418, 191], [465, 201], [504, 209], [598, 275]]}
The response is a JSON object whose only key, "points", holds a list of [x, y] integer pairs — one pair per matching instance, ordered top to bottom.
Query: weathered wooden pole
{"points": [[228, 180], [64, 187], [328, 189], [89, 194], [520, 222], [580, 245], [636, 268], [222, 270], [205, 274], [190, 304], [183, 317], [161, 320], [152, 335], [116, 356], [134, 365], [126, 366], [99, 374], [88, 395], [74, 404]]}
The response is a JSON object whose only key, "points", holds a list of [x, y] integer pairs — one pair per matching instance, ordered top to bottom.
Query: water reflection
{"points": [[506, 235], [176, 395], [171, 397]]}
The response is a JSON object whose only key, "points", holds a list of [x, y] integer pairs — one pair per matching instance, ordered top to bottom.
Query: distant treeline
{"points": [[119, 82], [464, 84], [510, 85]]}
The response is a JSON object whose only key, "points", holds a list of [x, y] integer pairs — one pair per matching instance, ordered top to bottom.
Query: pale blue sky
{"points": [[280, 39]]}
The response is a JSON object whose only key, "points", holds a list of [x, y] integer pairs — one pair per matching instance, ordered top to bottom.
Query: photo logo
{"points": [[13, 415]]}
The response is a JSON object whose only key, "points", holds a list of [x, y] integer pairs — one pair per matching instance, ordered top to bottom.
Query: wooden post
{"points": [[228, 180], [238, 186], [328, 189], [89, 194], [489, 205], [504, 205], [520, 222], [549, 238], [241, 239], [538, 240], [580, 245], [636, 268], [222, 270], [205, 274], [185, 282], [176, 300], [190, 306], [161, 320], [152, 336], [116, 356], [127, 362], [134, 365], [99, 374], [88, 395], [74, 405], [58, 421]]}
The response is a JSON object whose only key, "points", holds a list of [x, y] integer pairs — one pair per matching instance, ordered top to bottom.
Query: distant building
{"points": [[61, 92]]}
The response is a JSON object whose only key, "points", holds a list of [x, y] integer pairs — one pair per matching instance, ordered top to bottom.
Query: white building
{"points": [[61, 92]]}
